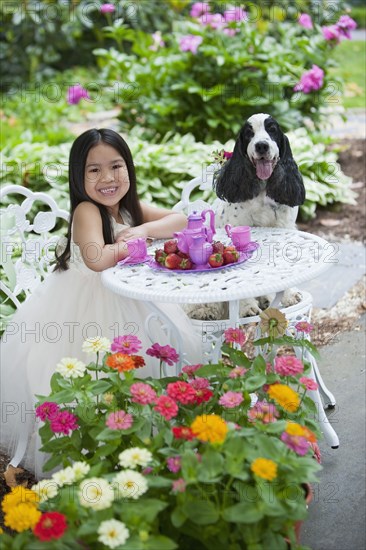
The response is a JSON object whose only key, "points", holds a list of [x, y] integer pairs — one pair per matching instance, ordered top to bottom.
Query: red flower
{"points": [[166, 354], [138, 360], [182, 392], [203, 395], [166, 407], [183, 432], [51, 525]]}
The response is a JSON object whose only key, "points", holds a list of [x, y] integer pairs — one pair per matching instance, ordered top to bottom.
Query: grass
{"points": [[351, 57]]}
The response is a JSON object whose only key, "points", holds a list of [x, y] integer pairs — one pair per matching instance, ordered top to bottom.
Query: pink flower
{"points": [[107, 8], [199, 8], [235, 14], [216, 21], [305, 21], [345, 25], [332, 33], [158, 41], [190, 43], [311, 80], [76, 93], [228, 154], [304, 326], [235, 336], [128, 344], [166, 354], [288, 365], [191, 369], [237, 372], [200, 383], [309, 383], [182, 392], [142, 393], [202, 396], [231, 399], [166, 407], [47, 411], [266, 412], [119, 420], [64, 422], [297, 443], [174, 463], [147, 471], [179, 485]]}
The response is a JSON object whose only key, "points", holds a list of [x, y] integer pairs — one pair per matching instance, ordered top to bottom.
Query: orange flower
{"points": [[120, 362], [284, 396], [209, 427], [264, 468]]}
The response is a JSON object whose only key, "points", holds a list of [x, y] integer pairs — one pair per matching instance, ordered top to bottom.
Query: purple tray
{"points": [[243, 256]]}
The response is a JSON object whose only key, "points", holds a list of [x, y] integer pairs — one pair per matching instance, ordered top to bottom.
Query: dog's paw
{"points": [[291, 296], [265, 301], [249, 308], [205, 312]]}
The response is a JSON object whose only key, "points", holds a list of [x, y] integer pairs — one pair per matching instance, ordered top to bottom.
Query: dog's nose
{"points": [[262, 147]]}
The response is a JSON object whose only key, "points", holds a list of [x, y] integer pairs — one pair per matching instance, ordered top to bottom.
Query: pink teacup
{"points": [[240, 235], [137, 249]]}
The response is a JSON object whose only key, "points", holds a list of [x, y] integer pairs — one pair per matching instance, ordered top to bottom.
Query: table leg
{"points": [[233, 313]]}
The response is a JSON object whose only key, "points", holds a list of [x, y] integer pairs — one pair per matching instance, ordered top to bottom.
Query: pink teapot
{"points": [[196, 228]]}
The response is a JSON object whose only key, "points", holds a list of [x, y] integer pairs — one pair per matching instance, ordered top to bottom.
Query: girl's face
{"points": [[106, 178]]}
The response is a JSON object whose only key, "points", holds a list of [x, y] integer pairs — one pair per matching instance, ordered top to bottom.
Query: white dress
{"points": [[62, 312]]}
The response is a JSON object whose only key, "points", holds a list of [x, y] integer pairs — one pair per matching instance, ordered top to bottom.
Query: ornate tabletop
{"points": [[285, 258]]}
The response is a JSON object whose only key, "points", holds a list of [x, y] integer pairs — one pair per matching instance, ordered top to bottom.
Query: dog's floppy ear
{"points": [[234, 182], [286, 185]]}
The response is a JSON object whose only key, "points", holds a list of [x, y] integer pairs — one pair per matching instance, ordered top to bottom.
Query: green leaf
{"points": [[255, 382], [99, 387], [52, 462], [211, 466], [244, 512], [201, 513], [178, 517], [159, 542]]}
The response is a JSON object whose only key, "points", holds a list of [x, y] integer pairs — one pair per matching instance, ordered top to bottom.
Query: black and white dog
{"points": [[260, 185]]}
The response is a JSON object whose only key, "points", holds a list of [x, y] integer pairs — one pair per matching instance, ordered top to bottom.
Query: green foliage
{"points": [[350, 57]]}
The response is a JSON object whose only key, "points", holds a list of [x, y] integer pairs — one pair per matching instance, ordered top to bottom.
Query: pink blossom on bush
{"points": [[107, 8], [199, 8], [235, 14], [216, 21], [305, 21], [345, 25], [231, 32], [331, 33], [158, 41], [190, 43], [311, 80], [76, 93], [304, 326], [235, 336], [128, 344], [166, 354], [288, 365], [191, 369], [237, 372], [200, 383], [309, 383], [182, 392], [142, 393], [231, 399], [166, 407], [47, 411], [266, 412], [119, 420], [64, 422], [297, 443], [174, 463], [179, 485]]}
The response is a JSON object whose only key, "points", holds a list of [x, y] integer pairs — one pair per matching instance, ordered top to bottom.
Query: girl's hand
{"points": [[131, 233]]}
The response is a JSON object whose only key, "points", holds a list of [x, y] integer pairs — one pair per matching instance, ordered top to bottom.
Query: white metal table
{"points": [[285, 258]]}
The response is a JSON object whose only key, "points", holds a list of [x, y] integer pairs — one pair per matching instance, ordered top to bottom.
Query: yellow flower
{"points": [[273, 321], [284, 396], [210, 428], [292, 428], [264, 468], [19, 495], [22, 517]]}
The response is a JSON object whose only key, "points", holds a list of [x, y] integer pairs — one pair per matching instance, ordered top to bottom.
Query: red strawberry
{"points": [[218, 246], [170, 247], [230, 248], [183, 254], [160, 256], [230, 256], [216, 260], [172, 261], [185, 263]]}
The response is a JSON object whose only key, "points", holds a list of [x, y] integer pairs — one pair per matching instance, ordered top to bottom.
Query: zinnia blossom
{"points": [[107, 8], [305, 21], [190, 43], [310, 81], [76, 93], [273, 321], [304, 326], [235, 336], [96, 344], [128, 344], [166, 354], [138, 360], [121, 362], [288, 365], [70, 367], [191, 369], [237, 372], [200, 383], [309, 383], [182, 392], [142, 393], [202, 395], [284, 396], [231, 399], [166, 406], [47, 411], [263, 411], [119, 420], [64, 422], [210, 428], [183, 432], [297, 443], [133, 457], [174, 463], [264, 468], [64, 477], [130, 484], [179, 485], [45, 489], [95, 493], [19, 495], [22, 517], [51, 525], [113, 533]]}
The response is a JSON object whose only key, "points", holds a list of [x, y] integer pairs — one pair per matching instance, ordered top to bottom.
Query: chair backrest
{"points": [[202, 186], [29, 239]]}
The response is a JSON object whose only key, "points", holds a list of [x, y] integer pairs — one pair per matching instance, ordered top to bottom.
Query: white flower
{"points": [[96, 344], [70, 367], [131, 458], [80, 470], [64, 477], [129, 484], [45, 489], [96, 493], [113, 533]]}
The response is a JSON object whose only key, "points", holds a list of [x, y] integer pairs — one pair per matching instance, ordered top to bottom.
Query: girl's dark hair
{"points": [[77, 160]]}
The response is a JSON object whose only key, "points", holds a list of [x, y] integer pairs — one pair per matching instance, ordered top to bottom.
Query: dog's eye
{"points": [[271, 128], [248, 133]]}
